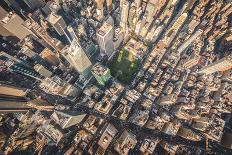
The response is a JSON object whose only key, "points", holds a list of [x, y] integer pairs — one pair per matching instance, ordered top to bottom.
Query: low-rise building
{"points": [[111, 96], [123, 110], [92, 123], [108, 133], [188, 134], [125, 143], [148, 146], [170, 148]]}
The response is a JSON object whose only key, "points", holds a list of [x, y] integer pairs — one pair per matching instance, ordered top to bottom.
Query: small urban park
{"points": [[123, 66]]}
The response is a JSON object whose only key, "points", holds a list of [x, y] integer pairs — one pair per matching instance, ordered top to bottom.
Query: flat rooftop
{"points": [[8, 17], [53, 18], [104, 29], [99, 69]]}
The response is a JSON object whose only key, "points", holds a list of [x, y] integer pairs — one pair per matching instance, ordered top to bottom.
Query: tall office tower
{"points": [[34, 4], [137, 4], [109, 5], [100, 8], [151, 9], [124, 15], [131, 17], [57, 23], [14, 24], [3, 31], [171, 33], [71, 35], [118, 37], [105, 39], [189, 41], [76, 56], [220, 65], [17, 66], [101, 73], [57, 86], [69, 119]]}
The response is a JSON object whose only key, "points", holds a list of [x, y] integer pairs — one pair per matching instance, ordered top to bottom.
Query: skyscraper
{"points": [[109, 5], [99, 8], [151, 9], [124, 15], [11, 21], [57, 23], [105, 39], [78, 59], [220, 65], [66, 120]]}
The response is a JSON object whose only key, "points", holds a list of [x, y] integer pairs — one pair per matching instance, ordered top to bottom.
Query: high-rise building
{"points": [[137, 4], [109, 5], [99, 8], [151, 9], [124, 15], [10, 22], [57, 23], [3, 31], [118, 37], [105, 39], [189, 41], [78, 59], [220, 65], [17, 66], [101, 73], [56, 86], [66, 120], [52, 133]]}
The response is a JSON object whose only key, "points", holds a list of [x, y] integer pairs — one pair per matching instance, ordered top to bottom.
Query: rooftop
{"points": [[104, 29], [99, 69]]}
